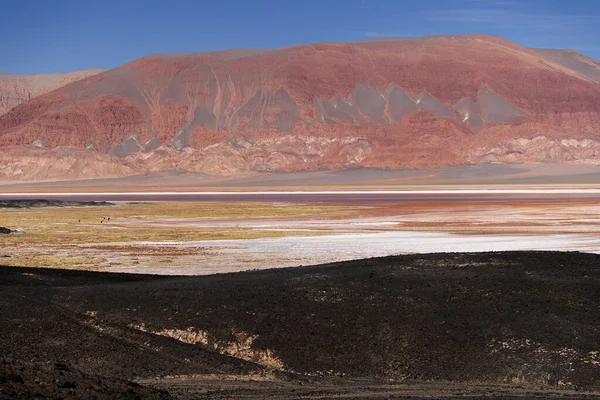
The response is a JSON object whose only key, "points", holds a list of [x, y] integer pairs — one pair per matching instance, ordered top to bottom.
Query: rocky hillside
{"points": [[399, 103], [521, 318]]}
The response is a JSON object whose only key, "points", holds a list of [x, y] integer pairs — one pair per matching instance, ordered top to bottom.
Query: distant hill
{"points": [[16, 89], [417, 103]]}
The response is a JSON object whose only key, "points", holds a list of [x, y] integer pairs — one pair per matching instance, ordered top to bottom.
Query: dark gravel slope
{"points": [[41, 203], [520, 317], [19, 380]]}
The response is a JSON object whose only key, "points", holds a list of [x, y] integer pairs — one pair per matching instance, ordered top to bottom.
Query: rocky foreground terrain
{"points": [[394, 104], [512, 325]]}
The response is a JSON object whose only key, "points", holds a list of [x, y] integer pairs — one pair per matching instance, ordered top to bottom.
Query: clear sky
{"points": [[66, 35]]}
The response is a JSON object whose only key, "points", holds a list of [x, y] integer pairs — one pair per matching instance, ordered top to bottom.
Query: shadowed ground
{"points": [[529, 319]]}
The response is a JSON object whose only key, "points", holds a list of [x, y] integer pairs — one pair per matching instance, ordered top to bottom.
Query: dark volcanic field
{"points": [[40, 203], [530, 319]]}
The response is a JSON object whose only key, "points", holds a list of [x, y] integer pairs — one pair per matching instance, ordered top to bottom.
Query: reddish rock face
{"points": [[405, 103]]}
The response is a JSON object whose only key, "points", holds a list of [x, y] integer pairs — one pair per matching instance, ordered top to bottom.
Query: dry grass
{"points": [[145, 222], [86, 237], [42, 260]]}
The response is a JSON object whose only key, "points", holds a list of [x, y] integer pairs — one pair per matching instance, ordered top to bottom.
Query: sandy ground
{"points": [[483, 176], [216, 387]]}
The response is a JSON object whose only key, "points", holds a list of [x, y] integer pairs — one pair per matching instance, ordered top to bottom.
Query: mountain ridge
{"points": [[18, 88], [394, 103]]}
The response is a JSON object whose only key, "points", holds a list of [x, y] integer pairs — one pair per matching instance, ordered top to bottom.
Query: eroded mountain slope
{"points": [[402, 103]]}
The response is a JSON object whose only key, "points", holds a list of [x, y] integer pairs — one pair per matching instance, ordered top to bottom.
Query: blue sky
{"points": [[66, 35]]}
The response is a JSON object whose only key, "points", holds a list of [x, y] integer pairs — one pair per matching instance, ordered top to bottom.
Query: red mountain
{"points": [[401, 103]]}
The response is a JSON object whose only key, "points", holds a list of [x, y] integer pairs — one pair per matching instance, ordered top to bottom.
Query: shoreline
{"points": [[309, 192]]}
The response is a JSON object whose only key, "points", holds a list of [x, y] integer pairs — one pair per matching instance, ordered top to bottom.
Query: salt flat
{"points": [[374, 231], [265, 253]]}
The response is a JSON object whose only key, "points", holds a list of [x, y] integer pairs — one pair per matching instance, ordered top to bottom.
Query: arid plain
{"points": [[197, 233]]}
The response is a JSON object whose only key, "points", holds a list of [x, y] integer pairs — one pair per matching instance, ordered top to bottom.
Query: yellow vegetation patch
{"points": [[87, 237], [39, 260]]}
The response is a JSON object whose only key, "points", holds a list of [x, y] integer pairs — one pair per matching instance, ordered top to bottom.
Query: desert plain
{"points": [[172, 229]]}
